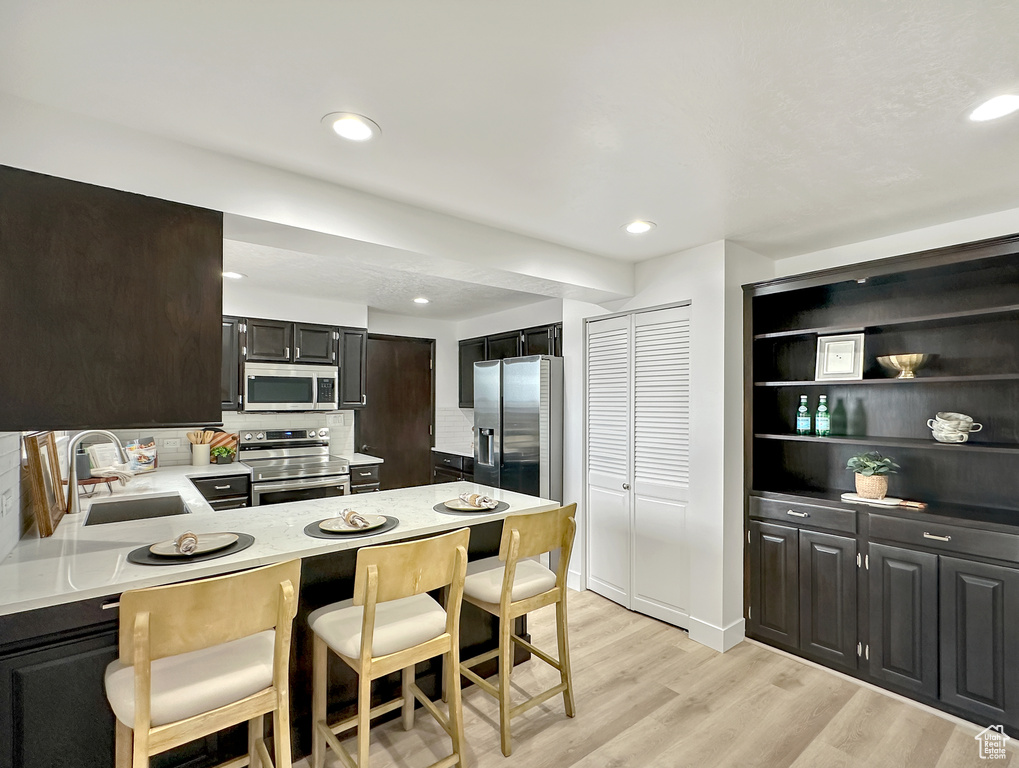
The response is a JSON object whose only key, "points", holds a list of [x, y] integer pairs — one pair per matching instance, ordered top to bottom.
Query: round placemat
{"points": [[502, 506], [312, 529], [142, 556]]}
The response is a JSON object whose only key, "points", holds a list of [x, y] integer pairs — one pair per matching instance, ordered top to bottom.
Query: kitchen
{"points": [[333, 252]]}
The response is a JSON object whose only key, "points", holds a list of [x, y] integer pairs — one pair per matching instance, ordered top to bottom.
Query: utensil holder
{"points": [[200, 454]]}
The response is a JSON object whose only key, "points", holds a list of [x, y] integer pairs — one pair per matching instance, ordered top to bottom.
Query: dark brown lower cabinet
{"points": [[774, 586], [828, 598], [904, 619], [980, 639]]}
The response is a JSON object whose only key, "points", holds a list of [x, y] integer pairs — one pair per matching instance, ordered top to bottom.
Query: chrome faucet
{"points": [[73, 504]]}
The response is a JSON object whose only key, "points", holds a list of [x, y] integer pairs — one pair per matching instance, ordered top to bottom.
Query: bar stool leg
{"points": [[505, 664], [565, 673], [319, 681], [408, 698], [456, 715], [364, 721], [281, 733], [254, 734], [124, 746]]}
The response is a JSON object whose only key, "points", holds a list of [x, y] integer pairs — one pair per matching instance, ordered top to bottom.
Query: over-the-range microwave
{"points": [[283, 387]]}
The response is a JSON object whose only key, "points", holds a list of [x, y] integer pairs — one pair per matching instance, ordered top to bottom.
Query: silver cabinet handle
{"points": [[286, 352], [298, 352], [364, 399], [365, 474], [626, 486], [221, 487], [797, 514], [936, 538], [110, 606]]}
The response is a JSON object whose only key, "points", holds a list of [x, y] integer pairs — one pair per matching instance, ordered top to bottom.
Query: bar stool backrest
{"points": [[539, 532], [409, 568], [204, 613]]}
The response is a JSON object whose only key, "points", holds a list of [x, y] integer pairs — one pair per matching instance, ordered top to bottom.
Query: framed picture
{"points": [[839, 357], [45, 483]]}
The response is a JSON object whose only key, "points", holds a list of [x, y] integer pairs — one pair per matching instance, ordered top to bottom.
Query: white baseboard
{"points": [[719, 638]]}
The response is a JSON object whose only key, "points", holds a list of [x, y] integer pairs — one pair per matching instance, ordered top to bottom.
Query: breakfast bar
{"points": [[58, 601]]}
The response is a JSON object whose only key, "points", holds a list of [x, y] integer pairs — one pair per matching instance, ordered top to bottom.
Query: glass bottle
{"points": [[803, 417], [822, 419]]}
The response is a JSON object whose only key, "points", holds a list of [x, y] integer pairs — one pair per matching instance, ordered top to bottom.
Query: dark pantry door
{"points": [[396, 424]]}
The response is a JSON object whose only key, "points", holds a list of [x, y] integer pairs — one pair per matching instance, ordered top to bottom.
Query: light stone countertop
{"points": [[455, 451], [361, 459], [78, 562]]}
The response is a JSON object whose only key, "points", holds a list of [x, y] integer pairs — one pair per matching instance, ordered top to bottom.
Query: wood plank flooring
{"points": [[649, 696]]}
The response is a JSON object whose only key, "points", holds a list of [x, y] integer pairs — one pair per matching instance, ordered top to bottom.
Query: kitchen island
{"points": [[58, 598]]}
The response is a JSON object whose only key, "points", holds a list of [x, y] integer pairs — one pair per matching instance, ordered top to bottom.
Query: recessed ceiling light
{"points": [[994, 108], [352, 126], [639, 227], [233, 275], [420, 300]]}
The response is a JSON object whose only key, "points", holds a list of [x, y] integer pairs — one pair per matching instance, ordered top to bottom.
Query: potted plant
{"points": [[222, 454], [872, 470]]}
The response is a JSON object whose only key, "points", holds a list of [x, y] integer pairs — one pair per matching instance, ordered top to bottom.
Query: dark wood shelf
{"points": [[940, 317], [893, 380], [895, 442]]}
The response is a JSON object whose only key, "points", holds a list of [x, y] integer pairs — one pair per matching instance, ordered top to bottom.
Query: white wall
{"points": [[242, 299], [538, 313], [10, 483]]}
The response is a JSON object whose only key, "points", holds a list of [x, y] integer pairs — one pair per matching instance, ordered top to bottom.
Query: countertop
{"points": [[454, 451], [360, 459], [78, 563]]}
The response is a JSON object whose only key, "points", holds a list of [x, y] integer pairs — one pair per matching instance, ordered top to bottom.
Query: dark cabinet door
{"points": [[557, 340], [270, 341], [539, 341], [314, 343], [504, 345], [471, 351], [353, 358], [230, 372], [445, 475], [774, 583], [828, 598], [903, 600], [980, 639]]}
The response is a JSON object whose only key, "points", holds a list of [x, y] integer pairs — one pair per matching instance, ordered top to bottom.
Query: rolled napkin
{"points": [[479, 500], [354, 520], [187, 543]]}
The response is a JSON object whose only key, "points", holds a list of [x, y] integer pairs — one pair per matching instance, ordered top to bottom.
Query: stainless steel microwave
{"points": [[283, 387]]}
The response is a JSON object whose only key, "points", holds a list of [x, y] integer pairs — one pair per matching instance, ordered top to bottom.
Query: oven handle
{"points": [[311, 482]]}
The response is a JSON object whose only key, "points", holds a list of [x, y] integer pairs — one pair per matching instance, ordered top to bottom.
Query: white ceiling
{"points": [[786, 126]]}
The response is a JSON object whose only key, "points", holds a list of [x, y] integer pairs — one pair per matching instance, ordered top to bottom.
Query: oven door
{"points": [[299, 490]]}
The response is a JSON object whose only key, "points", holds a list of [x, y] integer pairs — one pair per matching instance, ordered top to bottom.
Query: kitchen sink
{"points": [[138, 508]]}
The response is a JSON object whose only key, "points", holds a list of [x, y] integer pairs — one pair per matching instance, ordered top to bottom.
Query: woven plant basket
{"points": [[873, 487]]}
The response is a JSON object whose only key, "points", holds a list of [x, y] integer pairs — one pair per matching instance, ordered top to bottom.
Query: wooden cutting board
{"points": [[225, 439]]}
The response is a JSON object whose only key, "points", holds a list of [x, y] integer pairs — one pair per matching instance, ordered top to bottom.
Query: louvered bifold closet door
{"points": [[608, 457], [661, 464]]}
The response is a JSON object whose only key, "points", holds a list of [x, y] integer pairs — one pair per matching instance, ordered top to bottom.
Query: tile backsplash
{"points": [[454, 428], [341, 436]]}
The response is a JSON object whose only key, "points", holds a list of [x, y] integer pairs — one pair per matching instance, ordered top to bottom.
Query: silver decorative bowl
{"points": [[904, 364]]}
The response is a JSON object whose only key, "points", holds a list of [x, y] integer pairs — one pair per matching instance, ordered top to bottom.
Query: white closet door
{"points": [[608, 457], [661, 464]]}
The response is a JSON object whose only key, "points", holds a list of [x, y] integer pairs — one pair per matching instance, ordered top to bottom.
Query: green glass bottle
{"points": [[803, 417], [822, 419]]}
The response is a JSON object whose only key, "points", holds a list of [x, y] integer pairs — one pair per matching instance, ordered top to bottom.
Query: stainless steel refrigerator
{"points": [[518, 425]]}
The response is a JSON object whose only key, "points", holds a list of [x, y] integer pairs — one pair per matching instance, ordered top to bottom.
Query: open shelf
{"points": [[939, 317], [893, 380], [896, 442]]}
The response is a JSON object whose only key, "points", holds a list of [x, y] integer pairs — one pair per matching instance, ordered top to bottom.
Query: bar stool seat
{"points": [[485, 580], [399, 624], [199, 681]]}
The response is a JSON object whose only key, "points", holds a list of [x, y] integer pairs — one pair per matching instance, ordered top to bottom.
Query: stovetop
{"points": [[285, 454], [297, 466]]}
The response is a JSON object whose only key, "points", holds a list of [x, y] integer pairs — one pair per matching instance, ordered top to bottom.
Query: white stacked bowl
{"points": [[949, 427]]}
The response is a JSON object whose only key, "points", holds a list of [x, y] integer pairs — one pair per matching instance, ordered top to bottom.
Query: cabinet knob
{"points": [[626, 486]]}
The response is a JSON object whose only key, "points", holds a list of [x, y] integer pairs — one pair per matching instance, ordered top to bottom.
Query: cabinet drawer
{"points": [[451, 460], [364, 474], [222, 487], [366, 488], [814, 515], [945, 537]]}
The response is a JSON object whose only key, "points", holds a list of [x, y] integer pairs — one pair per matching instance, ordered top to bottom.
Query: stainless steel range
{"points": [[292, 465]]}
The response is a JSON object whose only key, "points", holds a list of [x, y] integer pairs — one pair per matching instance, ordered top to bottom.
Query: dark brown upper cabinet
{"points": [[109, 303], [541, 340], [270, 341], [315, 343], [503, 345], [353, 366], [230, 371]]}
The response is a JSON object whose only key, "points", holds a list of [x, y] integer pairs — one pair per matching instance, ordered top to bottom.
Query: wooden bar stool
{"points": [[509, 586], [391, 624], [200, 656]]}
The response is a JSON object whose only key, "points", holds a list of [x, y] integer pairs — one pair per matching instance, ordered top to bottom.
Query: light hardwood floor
{"points": [[649, 696]]}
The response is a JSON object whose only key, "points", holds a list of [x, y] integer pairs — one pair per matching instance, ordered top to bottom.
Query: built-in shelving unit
{"points": [[898, 442]]}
